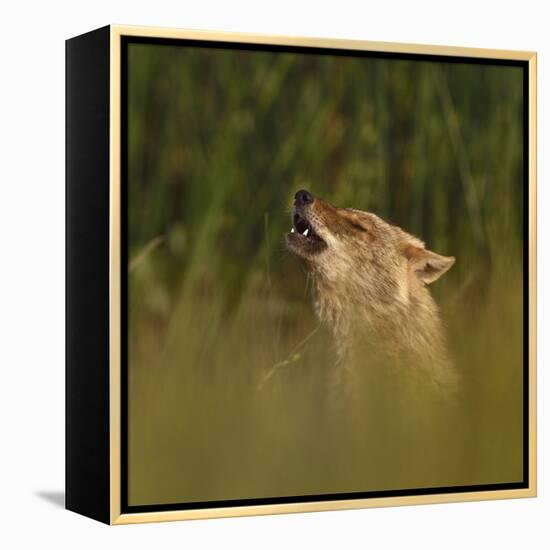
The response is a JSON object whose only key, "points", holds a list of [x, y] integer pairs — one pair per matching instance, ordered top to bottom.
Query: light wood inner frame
{"points": [[117, 31]]}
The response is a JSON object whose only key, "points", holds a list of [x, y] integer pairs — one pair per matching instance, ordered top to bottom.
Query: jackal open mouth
{"points": [[302, 227], [302, 235]]}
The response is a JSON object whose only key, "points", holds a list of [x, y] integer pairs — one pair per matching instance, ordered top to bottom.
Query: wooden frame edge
{"points": [[338, 43], [532, 272], [114, 278], [326, 506]]}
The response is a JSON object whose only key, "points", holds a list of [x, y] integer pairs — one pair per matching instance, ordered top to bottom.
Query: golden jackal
{"points": [[371, 286]]}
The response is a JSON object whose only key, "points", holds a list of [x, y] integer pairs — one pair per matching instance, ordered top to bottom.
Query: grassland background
{"points": [[227, 365]]}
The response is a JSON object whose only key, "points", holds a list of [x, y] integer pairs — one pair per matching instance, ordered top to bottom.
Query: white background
{"points": [[32, 272]]}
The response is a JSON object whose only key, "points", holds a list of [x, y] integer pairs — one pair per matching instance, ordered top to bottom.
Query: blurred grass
{"points": [[226, 399]]}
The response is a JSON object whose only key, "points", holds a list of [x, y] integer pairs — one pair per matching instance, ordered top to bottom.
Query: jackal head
{"points": [[350, 247]]}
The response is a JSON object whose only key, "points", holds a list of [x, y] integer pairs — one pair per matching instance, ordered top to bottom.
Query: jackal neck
{"points": [[404, 326]]}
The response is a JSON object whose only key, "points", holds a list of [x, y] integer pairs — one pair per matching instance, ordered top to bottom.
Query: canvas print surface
{"points": [[325, 275]]}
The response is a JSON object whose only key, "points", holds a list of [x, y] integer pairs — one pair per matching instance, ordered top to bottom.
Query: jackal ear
{"points": [[427, 265]]}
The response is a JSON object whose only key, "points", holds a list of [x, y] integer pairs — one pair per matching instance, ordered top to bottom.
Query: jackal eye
{"points": [[356, 226]]}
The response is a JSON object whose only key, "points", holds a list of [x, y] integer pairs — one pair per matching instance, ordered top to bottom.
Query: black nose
{"points": [[302, 198]]}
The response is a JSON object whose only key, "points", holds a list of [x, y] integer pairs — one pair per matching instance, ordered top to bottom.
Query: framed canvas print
{"points": [[300, 274]]}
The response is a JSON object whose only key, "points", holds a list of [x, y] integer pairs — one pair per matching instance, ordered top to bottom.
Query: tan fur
{"points": [[371, 288]]}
